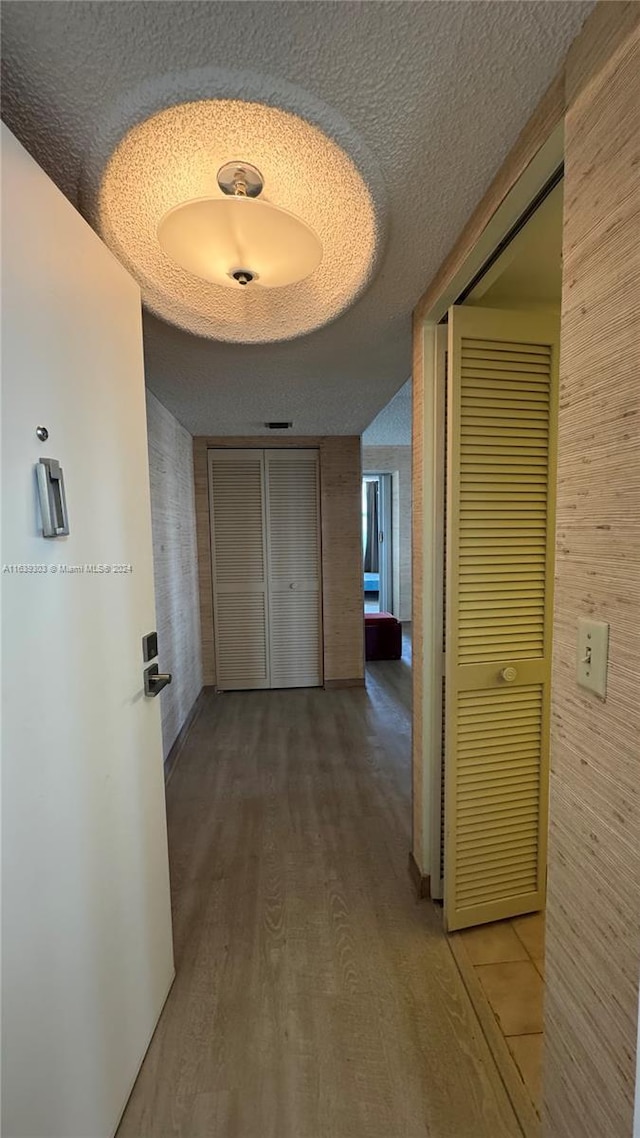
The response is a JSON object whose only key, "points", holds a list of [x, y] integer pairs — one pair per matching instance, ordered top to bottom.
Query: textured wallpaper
{"points": [[593, 915]]}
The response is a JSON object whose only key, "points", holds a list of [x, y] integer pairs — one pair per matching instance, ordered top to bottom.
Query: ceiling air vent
{"points": [[278, 426]]}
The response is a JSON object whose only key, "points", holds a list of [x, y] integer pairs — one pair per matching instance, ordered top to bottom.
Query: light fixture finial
{"points": [[240, 180]]}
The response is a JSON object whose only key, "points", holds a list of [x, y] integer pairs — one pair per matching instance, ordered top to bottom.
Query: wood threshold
{"points": [[181, 738], [421, 881], [523, 1107]]}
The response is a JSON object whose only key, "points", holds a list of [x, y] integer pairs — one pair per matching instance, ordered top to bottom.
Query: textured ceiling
{"points": [[435, 91], [392, 425]]}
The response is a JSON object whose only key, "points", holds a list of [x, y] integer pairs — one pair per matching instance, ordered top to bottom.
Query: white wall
{"points": [[392, 425], [175, 565], [86, 945]]}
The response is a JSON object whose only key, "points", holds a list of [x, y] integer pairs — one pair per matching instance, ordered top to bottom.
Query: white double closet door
{"points": [[266, 568]]}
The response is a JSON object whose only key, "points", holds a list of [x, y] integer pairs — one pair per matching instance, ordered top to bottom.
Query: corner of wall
{"points": [[340, 482], [203, 548], [175, 564]]}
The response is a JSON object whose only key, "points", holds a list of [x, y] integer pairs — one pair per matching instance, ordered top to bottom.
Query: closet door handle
{"points": [[292, 585], [509, 674]]}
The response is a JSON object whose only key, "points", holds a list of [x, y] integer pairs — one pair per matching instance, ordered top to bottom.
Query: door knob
{"points": [[292, 585], [508, 674], [155, 681]]}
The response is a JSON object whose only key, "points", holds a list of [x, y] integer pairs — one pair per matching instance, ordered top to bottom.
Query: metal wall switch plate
{"points": [[592, 656]]}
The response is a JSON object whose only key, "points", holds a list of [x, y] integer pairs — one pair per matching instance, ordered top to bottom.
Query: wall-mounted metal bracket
{"points": [[53, 502]]}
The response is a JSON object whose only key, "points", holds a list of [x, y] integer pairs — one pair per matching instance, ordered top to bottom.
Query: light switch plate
{"points": [[592, 655]]}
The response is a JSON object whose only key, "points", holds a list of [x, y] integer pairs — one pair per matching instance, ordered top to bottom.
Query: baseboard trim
{"points": [[353, 682], [180, 739], [421, 881]]}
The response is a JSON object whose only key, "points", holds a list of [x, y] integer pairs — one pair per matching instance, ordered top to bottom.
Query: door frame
{"points": [[232, 454], [386, 522], [429, 524], [385, 553]]}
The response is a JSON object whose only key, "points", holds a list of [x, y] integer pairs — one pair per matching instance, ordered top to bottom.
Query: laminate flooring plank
{"points": [[314, 998]]}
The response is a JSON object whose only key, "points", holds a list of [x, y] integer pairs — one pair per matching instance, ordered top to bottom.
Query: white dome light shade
{"points": [[215, 238]]}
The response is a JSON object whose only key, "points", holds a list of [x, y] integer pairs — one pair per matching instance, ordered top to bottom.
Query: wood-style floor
{"points": [[314, 998]]}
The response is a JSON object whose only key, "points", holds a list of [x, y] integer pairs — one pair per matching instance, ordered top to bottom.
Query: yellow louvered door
{"points": [[502, 392]]}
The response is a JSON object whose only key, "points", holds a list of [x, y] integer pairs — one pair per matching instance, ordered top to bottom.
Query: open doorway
{"points": [[523, 284], [496, 370], [501, 372], [386, 512], [377, 543]]}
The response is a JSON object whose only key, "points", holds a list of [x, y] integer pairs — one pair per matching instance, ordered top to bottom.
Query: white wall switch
{"points": [[593, 651]]}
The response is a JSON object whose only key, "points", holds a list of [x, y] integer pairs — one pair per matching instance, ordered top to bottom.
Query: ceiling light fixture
{"points": [[170, 160], [238, 240]]}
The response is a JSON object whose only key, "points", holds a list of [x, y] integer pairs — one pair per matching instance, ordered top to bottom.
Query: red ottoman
{"points": [[382, 636]]}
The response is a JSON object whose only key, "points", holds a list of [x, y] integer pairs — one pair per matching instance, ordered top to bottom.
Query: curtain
{"points": [[371, 558]]}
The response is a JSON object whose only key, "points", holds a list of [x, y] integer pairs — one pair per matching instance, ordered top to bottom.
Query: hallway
{"points": [[313, 997]]}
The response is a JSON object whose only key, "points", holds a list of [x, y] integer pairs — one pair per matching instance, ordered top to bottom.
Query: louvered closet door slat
{"points": [[500, 532], [293, 540], [239, 568]]}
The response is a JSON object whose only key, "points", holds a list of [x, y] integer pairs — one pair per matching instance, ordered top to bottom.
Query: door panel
{"points": [[500, 531], [293, 549], [239, 568], [87, 953]]}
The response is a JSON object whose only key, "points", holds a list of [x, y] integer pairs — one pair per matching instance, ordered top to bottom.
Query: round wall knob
{"points": [[508, 674]]}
